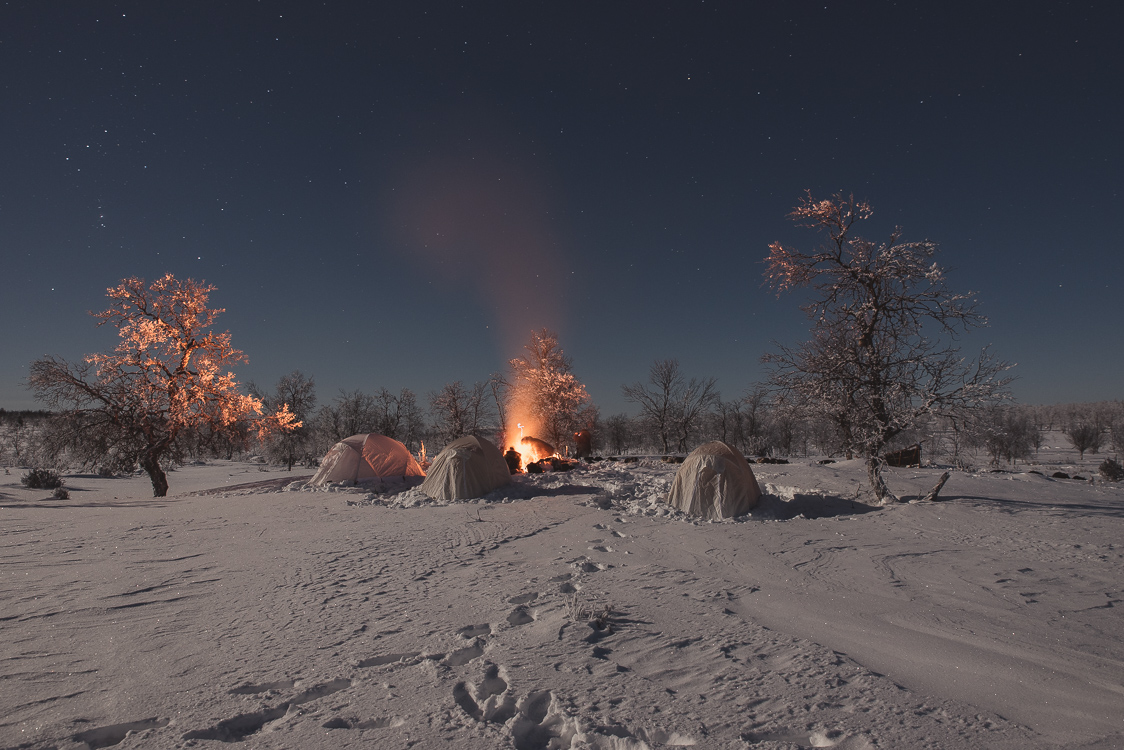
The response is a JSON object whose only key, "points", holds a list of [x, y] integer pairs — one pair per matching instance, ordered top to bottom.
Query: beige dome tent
{"points": [[369, 456], [467, 467], [714, 482]]}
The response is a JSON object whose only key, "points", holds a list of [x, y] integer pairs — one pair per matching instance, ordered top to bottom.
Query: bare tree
{"points": [[883, 351], [162, 382], [498, 386], [299, 394], [657, 398], [694, 399], [673, 405], [459, 411], [479, 411], [350, 413], [395, 415], [755, 415], [408, 419], [727, 422], [783, 427], [619, 432], [1008, 434], [1084, 436]]}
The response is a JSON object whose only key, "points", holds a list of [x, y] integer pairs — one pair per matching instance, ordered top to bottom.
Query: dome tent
{"points": [[368, 456], [467, 467], [714, 482]]}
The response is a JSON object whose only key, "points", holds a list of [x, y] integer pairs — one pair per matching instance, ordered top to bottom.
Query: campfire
{"points": [[533, 450]]}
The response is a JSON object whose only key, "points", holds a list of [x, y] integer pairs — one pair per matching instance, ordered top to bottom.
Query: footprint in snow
{"points": [[471, 631], [464, 655], [386, 659], [262, 688], [321, 690], [487, 700], [378, 722], [238, 728], [115, 733], [795, 736]]}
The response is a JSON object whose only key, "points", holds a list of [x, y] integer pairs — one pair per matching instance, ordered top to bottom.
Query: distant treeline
{"points": [[24, 414], [756, 423]]}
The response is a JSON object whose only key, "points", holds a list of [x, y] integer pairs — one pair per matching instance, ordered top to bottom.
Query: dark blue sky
{"points": [[395, 196]]}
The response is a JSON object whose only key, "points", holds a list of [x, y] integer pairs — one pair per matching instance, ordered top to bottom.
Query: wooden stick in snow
{"points": [[937, 488]]}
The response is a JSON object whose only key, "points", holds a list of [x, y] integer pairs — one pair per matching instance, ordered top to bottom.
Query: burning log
{"points": [[535, 449], [551, 463]]}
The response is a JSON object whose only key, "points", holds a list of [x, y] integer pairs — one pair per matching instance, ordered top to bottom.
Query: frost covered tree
{"points": [[884, 351], [164, 381], [543, 386]]}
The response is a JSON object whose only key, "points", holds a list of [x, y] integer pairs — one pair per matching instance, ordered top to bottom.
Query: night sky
{"points": [[394, 194]]}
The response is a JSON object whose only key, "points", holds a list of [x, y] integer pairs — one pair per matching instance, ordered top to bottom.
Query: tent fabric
{"points": [[369, 456], [467, 467], [714, 482]]}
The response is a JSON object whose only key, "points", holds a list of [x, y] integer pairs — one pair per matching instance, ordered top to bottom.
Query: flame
{"points": [[520, 432]]}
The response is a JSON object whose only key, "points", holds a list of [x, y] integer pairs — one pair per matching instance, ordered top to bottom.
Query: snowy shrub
{"points": [[1111, 470], [41, 479], [61, 493], [596, 614]]}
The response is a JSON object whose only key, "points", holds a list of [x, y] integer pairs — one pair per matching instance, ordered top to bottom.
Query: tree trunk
{"points": [[151, 464], [877, 483], [937, 488]]}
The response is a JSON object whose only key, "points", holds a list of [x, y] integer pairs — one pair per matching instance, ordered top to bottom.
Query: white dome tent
{"points": [[367, 456], [467, 467], [714, 482]]}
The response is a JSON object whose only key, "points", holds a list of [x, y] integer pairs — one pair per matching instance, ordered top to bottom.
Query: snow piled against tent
{"points": [[637, 488]]}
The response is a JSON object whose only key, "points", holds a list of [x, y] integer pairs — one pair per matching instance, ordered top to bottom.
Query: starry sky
{"points": [[395, 194]]}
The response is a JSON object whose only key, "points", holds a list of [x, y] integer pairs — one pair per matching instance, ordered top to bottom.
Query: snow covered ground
{"points": [[567, 610]]}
